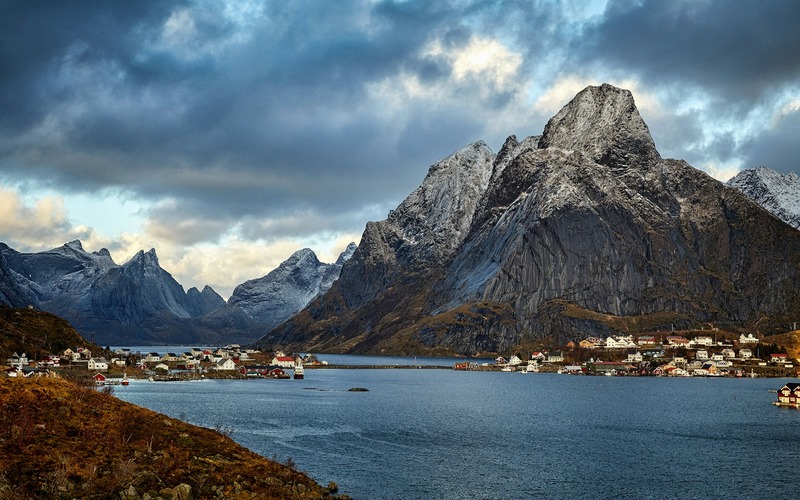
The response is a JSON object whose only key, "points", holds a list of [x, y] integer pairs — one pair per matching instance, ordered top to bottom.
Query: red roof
{"points": [[285, 358]]}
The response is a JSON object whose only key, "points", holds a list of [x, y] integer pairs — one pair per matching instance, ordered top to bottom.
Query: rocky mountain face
{"points": [[777, 193], [584, 230], [272, 299], [140, 303]]}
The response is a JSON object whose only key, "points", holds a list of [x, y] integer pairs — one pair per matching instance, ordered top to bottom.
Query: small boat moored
{"points": [[299, 372]]}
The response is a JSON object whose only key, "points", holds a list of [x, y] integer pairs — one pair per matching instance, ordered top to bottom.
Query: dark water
{"points": [[447, 434]]}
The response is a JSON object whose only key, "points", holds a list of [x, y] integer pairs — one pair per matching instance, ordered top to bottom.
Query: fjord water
{"points": [[446, 434]]}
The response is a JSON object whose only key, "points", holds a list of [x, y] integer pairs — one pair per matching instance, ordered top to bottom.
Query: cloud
{"points": [[233, 123], [776, 145], [38, 225]]}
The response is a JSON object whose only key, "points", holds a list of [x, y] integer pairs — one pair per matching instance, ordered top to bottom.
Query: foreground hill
{"points": [[584, 230], [62, 440]]}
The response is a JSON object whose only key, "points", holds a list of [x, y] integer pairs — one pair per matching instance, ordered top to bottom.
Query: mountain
{"points": [[777, 193], [584, 230], [272, 299], [202, 303]]}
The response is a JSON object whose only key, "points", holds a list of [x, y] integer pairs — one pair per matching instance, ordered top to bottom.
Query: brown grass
{"points": [[62, 439]]}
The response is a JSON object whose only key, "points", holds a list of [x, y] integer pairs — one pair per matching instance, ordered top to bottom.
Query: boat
{"points": [[506, 369], [299, 373], [125, 380]]}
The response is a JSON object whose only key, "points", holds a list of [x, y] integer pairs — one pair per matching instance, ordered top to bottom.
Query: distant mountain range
{"points": [[583, 230], [140, 303]]}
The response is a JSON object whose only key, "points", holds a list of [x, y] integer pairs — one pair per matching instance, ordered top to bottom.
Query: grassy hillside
{"points": [[37, 333], [62, 439]]}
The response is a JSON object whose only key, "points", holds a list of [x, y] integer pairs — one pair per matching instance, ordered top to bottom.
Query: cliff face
{"points": [[584, 222]]}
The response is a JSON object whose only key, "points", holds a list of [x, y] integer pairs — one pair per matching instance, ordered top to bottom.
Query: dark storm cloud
{"points": [[735, 49], [275, 111], [279, 112], [777, 146]]}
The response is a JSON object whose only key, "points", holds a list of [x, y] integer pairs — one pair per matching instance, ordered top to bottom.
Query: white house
{"points": [[749, 339], [703, 340], [620, 342], [728, 353], [745, 353], [701, 355], [717, 356], [152, 357], [555, 357], [635, 357], [18, 360], [678, 360], [283, 361], [514, 361], [225, 364], [97, 365], [161, 367]]}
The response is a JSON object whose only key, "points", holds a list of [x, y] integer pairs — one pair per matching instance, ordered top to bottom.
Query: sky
{"points": [[229, 134]]}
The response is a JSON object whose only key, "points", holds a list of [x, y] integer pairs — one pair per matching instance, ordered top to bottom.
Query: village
{"points": [[650, 355], [701, 355], [226, 362]]}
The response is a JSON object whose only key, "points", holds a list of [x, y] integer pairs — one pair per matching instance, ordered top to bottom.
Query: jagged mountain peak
{"points": [[603, 123], [441, 208], [75, 245], [103, 252], [346, 254], [302, 255], [148, 258], [288, 288]]}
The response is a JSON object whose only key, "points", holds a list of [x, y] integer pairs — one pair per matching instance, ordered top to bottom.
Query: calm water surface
{"points": [[447, 434]]}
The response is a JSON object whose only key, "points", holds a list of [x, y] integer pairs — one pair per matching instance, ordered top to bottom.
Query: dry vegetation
{"points": [[64, 439]]}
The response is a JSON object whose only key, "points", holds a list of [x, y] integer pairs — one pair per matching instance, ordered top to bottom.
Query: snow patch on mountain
{"points": [[779, 194]]}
